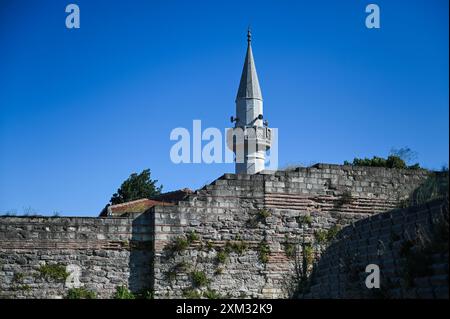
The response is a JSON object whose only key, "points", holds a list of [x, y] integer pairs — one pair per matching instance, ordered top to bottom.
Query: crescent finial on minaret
{"points": [[249, 34]]}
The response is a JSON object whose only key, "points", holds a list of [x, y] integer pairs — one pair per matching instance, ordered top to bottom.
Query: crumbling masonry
{"points": [[235, 237]]}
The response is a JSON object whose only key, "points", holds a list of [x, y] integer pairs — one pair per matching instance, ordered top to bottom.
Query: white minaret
{"points": [[250, 138]]}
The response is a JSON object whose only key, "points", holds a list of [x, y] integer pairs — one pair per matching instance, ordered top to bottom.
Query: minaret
{"points": [[250, 137]]}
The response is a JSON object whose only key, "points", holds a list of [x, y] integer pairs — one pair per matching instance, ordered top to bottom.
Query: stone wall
{"points": [[255, 220], [234, 237], [410, 246], [98, 253]]}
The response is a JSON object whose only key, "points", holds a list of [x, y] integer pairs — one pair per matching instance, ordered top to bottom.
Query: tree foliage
{"points": [[405, 153], [398, 158], [393, 161], [136, 186]]}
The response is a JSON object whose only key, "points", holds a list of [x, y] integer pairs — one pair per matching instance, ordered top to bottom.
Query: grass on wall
{"points": [[55, 271]]}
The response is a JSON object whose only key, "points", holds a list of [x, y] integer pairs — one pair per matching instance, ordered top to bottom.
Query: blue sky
{"points": [[82, 109]]}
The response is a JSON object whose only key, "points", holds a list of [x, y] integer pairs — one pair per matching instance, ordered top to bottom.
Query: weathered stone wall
{"points": [[258, 211], [234, 236], [409, 245], [98, 253]]}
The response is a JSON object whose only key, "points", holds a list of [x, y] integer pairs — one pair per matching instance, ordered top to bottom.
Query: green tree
{"points": [[405, 153], [398, 158], [394, 161], [136, 186]]}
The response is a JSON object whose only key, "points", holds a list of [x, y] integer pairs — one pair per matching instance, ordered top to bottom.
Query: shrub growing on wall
{"points": [[392, 161], [263, 252], [55, 272], [199, 278], [122, 292], [80, 293]]}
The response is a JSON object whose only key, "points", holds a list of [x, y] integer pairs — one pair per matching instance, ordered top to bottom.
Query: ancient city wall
{"points": [[236, 236], [409, 245], [99, 254]]}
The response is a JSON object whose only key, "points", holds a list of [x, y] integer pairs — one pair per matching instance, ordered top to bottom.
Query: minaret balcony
{"points": [[257, 135]]}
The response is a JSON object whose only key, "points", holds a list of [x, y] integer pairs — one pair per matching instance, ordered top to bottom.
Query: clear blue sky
{"points": [[82, 109]]}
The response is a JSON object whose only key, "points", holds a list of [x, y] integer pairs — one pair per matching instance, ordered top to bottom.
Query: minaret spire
{"points": [[249, 85], [250, 137]]}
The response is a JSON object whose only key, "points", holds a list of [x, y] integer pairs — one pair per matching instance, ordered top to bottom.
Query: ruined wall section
{"points": [[257, 219], [233, 237], [409, 245], [99, 254]]}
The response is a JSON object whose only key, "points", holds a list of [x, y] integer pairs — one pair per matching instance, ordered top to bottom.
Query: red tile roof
{"points": [[136, 206]]}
